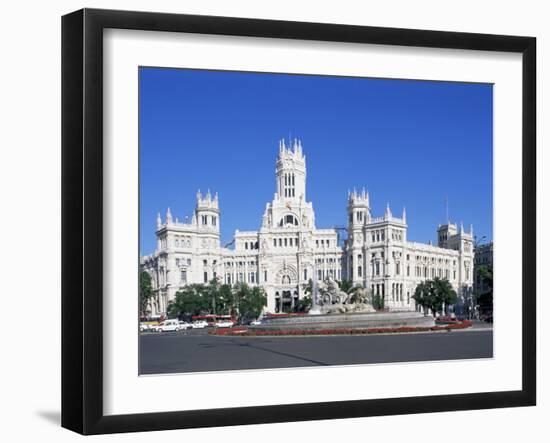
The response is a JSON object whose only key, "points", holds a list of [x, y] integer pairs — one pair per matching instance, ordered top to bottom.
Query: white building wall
{"points": [[282, 254]]}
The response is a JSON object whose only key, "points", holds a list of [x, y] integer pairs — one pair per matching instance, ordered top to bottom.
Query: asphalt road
{"points": [[196, 351]]}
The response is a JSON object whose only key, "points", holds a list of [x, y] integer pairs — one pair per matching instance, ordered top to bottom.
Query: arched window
{"points": [[288, 220], [286, 280]]}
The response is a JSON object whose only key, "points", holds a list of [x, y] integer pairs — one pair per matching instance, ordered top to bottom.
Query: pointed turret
{"points": [[290, 170], [388, 211], [168, 216], [265, 216], [404, 217], [159, 221]]}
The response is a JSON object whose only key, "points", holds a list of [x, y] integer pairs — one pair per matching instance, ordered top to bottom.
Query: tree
{"points": [[486, 275], [308, 287], [145, 290], [445, 292], [421, 295], [425, 295], [432, 295], [220, 297], [216, 298], [484, 299], [191, 300], [225, 300], [249, 301], [378, 302], [304, 304]]}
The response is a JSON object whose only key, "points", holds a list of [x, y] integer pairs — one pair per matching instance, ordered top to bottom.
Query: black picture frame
{"points": [[82, 218]]}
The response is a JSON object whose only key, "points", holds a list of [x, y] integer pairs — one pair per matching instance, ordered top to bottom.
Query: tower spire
{"points": [[290, 171], [168, 216], [159, 221]]}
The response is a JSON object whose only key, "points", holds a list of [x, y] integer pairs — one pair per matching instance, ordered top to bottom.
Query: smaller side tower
{"points": [[358, 209], [207, 212], [358, 217], [445, 233]]}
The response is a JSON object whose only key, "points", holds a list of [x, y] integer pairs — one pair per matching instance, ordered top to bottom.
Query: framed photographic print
{"points": [[268, 221]]}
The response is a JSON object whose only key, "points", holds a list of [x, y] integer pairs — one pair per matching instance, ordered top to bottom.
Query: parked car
{"points": [[255, 322], [199, 324], [224, 324], [168, 325], [185, 325], [143, 327]]}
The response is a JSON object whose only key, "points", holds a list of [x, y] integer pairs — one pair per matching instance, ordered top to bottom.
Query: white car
{"points": [[255, 322], [199, 324], [224, 324], [168, 325], [185, 325], [144, 327]]}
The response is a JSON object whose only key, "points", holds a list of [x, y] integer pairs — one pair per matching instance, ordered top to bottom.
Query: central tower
{"points": [[291, 171]]}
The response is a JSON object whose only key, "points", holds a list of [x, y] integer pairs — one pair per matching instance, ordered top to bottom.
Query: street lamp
{"points": [[478, 242]]}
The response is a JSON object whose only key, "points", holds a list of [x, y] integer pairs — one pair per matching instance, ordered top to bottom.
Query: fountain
{"points": [[334, 308]]}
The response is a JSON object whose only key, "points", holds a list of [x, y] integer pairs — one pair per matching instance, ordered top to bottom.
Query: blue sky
{"points": [[410, 143]]}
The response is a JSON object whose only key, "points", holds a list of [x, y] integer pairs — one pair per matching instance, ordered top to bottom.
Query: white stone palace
{"points": [[282, 255]]}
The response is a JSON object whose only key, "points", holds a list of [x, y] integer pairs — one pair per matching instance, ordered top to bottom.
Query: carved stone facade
{"points": [[283, 254], [379, 257]]}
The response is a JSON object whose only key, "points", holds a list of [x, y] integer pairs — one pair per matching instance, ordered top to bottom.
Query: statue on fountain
{"points": [[332, 300]]}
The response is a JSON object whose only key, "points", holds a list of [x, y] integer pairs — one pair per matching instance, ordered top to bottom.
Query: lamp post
{"points": [[478, 242]]}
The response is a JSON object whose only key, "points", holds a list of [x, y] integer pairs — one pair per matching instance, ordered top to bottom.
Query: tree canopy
{"points": [[145, 290], [434, 294], [485, 299], [239, 300]]}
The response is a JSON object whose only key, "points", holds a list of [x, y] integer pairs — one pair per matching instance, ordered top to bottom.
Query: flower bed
{"points": [[446, 319], [242, 331]]}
